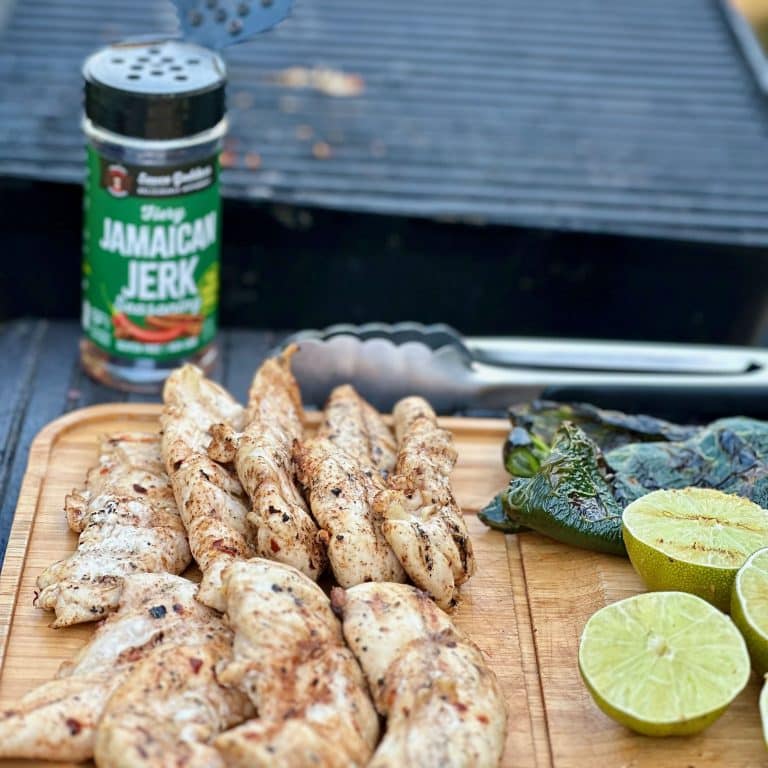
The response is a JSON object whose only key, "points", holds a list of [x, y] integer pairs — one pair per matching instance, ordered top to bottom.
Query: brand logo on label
{"points": [[117, 181], [180, 181]]}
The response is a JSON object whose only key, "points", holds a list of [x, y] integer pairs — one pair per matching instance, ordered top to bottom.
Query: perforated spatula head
{"points": [[219, 23]]}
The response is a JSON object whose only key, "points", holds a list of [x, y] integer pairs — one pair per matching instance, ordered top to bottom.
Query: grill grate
{"points": [[626, 117]]}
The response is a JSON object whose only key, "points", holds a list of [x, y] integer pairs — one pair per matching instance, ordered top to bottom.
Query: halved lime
{"points": [[693, 539], [749, 607], [663, 663], [764, 711]]}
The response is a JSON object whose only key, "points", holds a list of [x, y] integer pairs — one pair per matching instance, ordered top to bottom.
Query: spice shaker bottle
{"points": [[154, 120]]}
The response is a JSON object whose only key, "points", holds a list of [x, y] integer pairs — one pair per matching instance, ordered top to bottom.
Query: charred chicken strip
{"points": [[192, 404], [356, 427], [263, 456], [341, 469], [341, 493], [209, 497], [212, 505], [422, 521], [128, 523], [290, 658], [444, 706], [168, 709], [58, 720]]}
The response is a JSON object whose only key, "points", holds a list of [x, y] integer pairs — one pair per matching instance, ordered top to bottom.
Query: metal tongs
{"points": [[386, 362]]}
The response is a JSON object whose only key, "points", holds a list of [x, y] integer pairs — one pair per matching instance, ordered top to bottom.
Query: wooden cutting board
{"points": [[525, 607]]}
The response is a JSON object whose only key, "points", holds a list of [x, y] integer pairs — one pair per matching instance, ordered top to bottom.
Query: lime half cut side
{"points": [[693, 539], [749, 607], [663, 663], [764, 711]]}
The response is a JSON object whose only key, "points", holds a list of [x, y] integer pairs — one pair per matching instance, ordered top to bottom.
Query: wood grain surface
{"points": [[525, 607]]}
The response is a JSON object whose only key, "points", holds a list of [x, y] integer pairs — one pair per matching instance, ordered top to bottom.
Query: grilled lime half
{"points": [[693, 540], [749, 607], [663, 663], [764, 711]]}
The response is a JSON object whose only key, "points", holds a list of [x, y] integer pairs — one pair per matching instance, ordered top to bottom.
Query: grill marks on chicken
{"points": [[354, 426], [263, 456], [342, 470], [340, 495], [209, 497], [212, 505], [422, 520], [128, 523], [290, 658], [444, 706], [168, 709], [58, 720]]}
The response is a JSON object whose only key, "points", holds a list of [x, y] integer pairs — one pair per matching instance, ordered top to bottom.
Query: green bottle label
{"points": [[151, 257]]}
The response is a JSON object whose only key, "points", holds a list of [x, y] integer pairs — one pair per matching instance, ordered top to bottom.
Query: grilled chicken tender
{"points": [[192, 404], [356, 427], [263, 456], [340, 468], [340, 495], [209, 497], [212, 505], [422, 521], [128, 523], [290, 658], [444, 706], [168, 709], [57, 720]]}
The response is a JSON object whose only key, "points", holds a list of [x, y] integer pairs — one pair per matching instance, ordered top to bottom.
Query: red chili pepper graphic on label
{"points": [[124, 327]]}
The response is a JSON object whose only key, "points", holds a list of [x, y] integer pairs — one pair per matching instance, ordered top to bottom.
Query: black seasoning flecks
{"points": [[158, 612]]}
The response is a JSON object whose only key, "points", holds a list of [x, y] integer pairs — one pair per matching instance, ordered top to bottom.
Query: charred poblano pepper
{"points": [[609, 429], [523, 452], [730, 455], [601, 460], [570, 497], [494, 515]]}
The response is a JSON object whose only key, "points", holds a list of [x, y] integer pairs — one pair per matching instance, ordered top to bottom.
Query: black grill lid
{"points": [[219, 23], [163, 89], [628, 117]]}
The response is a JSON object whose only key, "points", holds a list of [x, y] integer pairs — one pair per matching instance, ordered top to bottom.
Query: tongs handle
{"points": [[611, 356]]}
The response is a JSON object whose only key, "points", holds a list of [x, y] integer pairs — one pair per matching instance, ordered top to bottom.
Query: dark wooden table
{"points": [[41, 379]]}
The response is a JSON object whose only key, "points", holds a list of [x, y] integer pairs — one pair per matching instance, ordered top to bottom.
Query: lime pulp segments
{"points": [[693, 539], [749, 607], [663, 663]]}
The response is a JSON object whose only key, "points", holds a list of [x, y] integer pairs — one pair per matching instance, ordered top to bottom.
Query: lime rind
{"points": [[749, 607], [663, 663], [764, 711], [687, 728]]}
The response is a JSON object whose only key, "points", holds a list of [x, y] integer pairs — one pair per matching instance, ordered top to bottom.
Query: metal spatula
{"points": [[219, 23], [387, 362]]}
